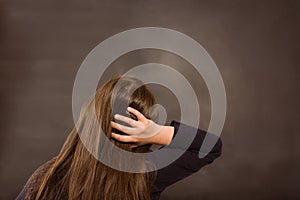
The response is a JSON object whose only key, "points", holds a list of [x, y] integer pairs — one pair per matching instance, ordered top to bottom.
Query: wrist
{"points": [[164, 136]]}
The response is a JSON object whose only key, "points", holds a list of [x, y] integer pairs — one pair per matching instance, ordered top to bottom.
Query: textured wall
{"points": [[254, 44]]}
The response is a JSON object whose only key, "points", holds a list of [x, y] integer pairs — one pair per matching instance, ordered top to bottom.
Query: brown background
{"points": [[254, 44]]}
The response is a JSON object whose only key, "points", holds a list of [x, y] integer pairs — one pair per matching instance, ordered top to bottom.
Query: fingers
{"points": [[139, 115], [127, 120], [124, 129], [123, 138], [126, 138], [134, 146]]}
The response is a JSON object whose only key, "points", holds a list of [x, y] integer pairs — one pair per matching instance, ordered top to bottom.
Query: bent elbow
{"points": [[218, 147], [215, 152]]}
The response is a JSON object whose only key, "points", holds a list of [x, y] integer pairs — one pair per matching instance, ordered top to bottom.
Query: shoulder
{"points": [[40, 171], [35, 179]]}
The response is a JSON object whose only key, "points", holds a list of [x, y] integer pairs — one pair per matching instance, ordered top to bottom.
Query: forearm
{"points": [[197, 137]]}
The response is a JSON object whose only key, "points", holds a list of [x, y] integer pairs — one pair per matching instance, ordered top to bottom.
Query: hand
{"points": [[143, 131]]}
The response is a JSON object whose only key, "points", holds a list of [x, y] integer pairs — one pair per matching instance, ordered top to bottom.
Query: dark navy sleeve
{"points": [[189, 162]]}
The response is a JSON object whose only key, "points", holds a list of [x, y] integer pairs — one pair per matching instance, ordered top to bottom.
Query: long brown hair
{"points": [[77, 174]]}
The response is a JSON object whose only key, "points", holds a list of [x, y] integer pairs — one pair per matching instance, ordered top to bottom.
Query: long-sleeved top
{"points": [[187, 164]]}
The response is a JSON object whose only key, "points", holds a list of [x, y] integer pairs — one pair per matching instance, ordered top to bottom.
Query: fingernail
{"points": [[117, 116]]}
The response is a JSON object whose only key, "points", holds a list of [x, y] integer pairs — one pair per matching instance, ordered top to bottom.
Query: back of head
{"points": [[115, 96], [76, 173]]}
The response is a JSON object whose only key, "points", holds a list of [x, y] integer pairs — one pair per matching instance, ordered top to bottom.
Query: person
{"points": [[75, 173]]}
